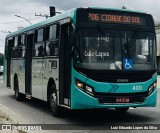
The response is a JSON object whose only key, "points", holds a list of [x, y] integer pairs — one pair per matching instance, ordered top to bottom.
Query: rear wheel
{"points": [[18, 95], [55, 109], [122, 110]]}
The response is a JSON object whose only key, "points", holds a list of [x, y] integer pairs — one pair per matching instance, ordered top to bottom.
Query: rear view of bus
{"points": [[114, 63]]}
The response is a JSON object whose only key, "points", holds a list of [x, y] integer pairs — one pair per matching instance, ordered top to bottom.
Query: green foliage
{"points": [[1, 59]]}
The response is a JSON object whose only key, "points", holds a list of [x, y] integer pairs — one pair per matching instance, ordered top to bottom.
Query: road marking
{"points": [[4, 107], [8, 109], [13, 112]]}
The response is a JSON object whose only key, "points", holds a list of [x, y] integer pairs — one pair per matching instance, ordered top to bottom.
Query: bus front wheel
{"points": [[55, 109], [122, 110]]}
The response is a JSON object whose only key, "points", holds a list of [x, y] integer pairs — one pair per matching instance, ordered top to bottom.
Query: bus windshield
{"points": [[106, 49]]}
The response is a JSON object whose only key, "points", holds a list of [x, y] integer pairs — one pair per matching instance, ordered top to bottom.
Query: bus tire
{"points": [[18, 95], [55, 109], [122, 110]]}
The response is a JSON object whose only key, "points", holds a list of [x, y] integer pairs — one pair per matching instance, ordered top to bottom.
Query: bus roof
{"points": [[69, 13]]}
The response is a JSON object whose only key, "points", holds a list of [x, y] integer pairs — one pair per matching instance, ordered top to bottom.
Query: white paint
{"points": [[4, 107]]}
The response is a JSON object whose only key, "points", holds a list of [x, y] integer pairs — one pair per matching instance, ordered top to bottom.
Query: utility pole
{"points": [[52, 13], [45, 15]]}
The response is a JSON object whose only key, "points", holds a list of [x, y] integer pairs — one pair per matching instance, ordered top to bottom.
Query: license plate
{"points": [[122, 100]]}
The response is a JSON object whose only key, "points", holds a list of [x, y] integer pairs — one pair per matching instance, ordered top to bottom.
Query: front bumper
{"points": [[81, 100]]}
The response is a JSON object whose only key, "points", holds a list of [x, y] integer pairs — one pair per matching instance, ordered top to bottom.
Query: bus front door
{"points": [[8, 56], [28, 65], [65, 67]]}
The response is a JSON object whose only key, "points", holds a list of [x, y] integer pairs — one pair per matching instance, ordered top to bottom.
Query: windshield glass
{"points": [[105, 49]]}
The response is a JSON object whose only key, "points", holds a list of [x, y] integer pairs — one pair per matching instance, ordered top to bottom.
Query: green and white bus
{"points": [[86, 58]]}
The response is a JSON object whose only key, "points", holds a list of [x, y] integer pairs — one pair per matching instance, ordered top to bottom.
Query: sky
{"points": [[28, 8]]}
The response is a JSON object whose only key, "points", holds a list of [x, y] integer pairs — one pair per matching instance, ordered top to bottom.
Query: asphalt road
{"points": [[37, 112]]}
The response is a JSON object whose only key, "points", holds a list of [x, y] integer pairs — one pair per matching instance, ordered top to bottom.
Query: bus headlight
{"points": [[79, 84], [84, 87], [152, 87]]}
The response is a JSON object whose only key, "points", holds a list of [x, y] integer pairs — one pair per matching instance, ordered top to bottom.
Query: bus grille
{"points": [[117, 76], [113, 78], [111, 98]]}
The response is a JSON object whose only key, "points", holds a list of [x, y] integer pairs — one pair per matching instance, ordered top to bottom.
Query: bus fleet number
{"points": [[137, 88]]}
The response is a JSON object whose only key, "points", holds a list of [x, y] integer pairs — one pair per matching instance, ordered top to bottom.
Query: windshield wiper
{"points": [[104, 34], [133, 38], [129, 43]]}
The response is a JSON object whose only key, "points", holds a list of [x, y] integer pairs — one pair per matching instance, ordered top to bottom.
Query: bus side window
{"points": [[53, 32], [51, 35], [39, 44], [21, 46], [14, 47], [52, 48]]}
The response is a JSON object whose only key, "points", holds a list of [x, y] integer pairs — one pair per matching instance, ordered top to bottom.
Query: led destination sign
{"points": [[93, 16], [115, 18]]}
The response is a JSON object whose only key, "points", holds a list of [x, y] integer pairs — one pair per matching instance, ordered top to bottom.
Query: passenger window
{"points": [[53, 32], [40, 35], [22, 39], [15, 41], [15, 48], [52, 48], [39, 50], [23, 51]]}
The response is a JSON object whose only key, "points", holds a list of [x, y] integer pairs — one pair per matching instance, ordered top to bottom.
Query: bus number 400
{"points": [[137, 87]]}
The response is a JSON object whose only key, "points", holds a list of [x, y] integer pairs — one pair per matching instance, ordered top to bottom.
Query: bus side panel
{"points": [[17, 69], [51, 71], [21, 75], [37, 78]]}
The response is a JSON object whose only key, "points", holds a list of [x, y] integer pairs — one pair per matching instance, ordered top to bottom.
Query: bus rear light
{"points": [[152, 87]]}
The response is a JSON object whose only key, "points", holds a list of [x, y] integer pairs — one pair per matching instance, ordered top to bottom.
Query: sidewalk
{"points": [[6, 119]]}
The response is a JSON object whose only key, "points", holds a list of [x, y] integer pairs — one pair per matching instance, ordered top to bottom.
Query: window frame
{"points": [[50, 40]]}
